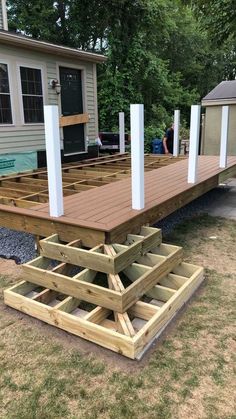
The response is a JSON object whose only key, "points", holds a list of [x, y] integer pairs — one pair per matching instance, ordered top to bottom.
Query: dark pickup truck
{"points": [[110, 141]]}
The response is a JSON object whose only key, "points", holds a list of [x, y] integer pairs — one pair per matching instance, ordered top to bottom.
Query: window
{"points": [[32, 94], [5, 99]]}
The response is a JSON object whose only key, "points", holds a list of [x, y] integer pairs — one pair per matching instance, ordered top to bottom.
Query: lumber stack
{"points": [[119, 296]]}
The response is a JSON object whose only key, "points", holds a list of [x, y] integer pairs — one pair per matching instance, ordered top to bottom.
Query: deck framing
{"points": [[105, 179], [95, 325]]}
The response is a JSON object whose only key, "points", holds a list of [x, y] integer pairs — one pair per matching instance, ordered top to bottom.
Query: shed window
{"points": [[32, 94], [5, 99]]}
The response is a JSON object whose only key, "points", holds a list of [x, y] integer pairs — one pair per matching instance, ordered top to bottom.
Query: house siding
{"points": [[212, 130], [20, 137]]}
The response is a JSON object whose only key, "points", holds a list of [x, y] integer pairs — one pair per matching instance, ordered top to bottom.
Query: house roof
{"points": [[10, 38], [223, 93]]}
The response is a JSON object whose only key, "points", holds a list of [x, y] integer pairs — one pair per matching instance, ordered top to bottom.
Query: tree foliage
{"points": [[164, 53]]}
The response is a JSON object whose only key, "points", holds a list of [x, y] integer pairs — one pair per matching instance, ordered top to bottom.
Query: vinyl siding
{"points": [[212, 131], [21, 137]]}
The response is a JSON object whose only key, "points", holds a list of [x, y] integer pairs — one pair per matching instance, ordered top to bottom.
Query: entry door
{"points": [[71, 104]]}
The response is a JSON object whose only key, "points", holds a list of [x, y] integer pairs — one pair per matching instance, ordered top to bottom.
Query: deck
{"points": [[104, 214]]}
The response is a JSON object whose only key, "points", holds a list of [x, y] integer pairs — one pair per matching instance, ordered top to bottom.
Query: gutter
{"points": [[47, 47]]}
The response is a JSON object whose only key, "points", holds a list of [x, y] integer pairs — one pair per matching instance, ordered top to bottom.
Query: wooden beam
{"points": [[82, 118]]}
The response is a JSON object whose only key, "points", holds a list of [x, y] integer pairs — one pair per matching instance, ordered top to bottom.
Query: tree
{"points": [[159, 53]]}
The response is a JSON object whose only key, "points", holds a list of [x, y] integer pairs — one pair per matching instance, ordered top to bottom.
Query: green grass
{"points": [[191, 373]]}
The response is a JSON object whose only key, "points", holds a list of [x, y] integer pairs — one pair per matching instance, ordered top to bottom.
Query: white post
{"points": [[4, 15], [122, 132], [176, 133], [52, 136], [224, 136], [194, 143], [137, 155]]}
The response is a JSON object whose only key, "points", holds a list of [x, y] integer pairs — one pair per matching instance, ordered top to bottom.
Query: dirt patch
{"points": [[209, 242], [9, 268]]}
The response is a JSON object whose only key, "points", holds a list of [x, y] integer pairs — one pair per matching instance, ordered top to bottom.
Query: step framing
{"points": [[185, 277]]}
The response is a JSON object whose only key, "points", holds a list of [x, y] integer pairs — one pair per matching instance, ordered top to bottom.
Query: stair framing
{"points": [[142, 271], [118, 295], [63, 312]]}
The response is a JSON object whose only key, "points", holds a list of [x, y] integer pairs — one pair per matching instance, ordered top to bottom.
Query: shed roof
{"points": [[10, 38], [223, 93]]}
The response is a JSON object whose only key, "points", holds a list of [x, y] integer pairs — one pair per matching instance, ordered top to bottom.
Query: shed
{"points": [[35, 73], [223, 94]]}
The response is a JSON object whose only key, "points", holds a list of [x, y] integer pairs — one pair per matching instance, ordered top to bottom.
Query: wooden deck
{"points": [[104, 214]]}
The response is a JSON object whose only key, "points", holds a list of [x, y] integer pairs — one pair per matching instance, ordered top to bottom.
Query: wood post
{"points": [[122, 132], [176, 133], [224, 136], [52, 137], [194, 143], [137, 155]]}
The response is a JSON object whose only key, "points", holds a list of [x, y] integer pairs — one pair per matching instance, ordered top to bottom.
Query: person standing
{"points": [[168, 140]]}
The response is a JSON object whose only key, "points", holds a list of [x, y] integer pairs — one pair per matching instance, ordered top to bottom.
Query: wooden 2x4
{"points": [[144, 278], [95, 326]]}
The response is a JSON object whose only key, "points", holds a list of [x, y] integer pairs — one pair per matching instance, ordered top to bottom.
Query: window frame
{"points": [[35, 66], [9, 72]]}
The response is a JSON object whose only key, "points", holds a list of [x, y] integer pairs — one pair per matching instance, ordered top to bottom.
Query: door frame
{"points": [[84, 99]]}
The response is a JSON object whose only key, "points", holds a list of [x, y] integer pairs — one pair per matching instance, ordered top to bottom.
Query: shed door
{"points": [[71, 104]]}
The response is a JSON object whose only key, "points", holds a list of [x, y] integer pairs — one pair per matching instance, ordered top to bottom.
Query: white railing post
{"points": [[122, 132], [176, 133], [224, 137], [194, 143], [53, 152], [137, 155]]}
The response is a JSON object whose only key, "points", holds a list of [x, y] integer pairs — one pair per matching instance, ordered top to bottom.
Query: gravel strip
{"points": [[16, 245], [21, 246]]}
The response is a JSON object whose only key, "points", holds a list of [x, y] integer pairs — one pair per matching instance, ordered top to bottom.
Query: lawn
{"points": [[190, 373]]}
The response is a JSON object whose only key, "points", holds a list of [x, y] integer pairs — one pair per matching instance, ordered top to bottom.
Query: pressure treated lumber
{"points": [[74, 119], [145, 274], [147, 319]]}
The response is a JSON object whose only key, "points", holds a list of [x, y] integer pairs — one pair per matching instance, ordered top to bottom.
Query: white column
{"points": [[4, 15], [122, 132], [176, 133], [52, 136], [224, 136], [194, 143], [137, 155]]}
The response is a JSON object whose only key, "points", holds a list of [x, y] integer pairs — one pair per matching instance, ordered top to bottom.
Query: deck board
{"points": [[110, 204], [104, 213]]}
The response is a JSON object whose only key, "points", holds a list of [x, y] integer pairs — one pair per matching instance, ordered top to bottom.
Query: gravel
{"points": [[16, 245], [21, 246]]}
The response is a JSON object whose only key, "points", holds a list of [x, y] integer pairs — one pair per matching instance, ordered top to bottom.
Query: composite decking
{"points": [[104, 214]]}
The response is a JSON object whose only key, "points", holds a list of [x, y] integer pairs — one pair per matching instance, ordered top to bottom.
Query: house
{"points": [[35, 73], [223, 94]]}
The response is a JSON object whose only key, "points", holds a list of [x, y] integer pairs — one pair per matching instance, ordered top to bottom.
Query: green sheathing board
{"points": [[24, 138], [211, 144], [22, 162]]}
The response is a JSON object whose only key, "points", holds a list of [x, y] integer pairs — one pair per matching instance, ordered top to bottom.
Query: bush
{"points": [[150, 133]]}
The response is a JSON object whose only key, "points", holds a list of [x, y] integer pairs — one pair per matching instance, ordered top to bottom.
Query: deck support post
{"points": [[122, 132], [176, 133], [224, 137], [194, 143], [53, 152], [137, 155]]}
